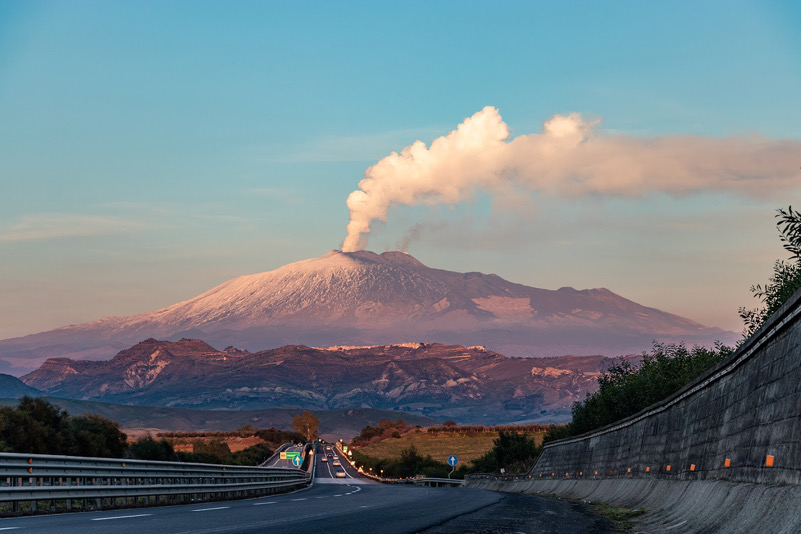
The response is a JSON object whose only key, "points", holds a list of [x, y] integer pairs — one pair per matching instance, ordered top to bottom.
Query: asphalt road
{"points": [[276, 461], [331, 505]]}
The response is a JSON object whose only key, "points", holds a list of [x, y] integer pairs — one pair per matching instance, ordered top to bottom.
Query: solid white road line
{"points": [[210, 509], [117, 517], [9, 528]]}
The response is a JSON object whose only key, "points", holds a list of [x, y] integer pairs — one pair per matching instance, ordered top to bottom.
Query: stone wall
{"points": [[730, 424]]}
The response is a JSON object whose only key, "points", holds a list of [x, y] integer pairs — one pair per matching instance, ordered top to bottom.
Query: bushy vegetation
{"points": [[786, 277], [625, 389], [35, 426], [513, 452]]}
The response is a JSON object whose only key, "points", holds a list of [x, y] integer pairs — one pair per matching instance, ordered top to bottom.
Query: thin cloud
{"points": [[53, 226]]}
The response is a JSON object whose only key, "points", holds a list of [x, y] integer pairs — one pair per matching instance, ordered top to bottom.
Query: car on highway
{"points": [[323, 459], [336, 463], [341, 474]]}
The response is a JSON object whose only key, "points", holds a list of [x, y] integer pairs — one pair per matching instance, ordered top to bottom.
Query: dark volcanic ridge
{"points": [[363, 298], [467, 384]]}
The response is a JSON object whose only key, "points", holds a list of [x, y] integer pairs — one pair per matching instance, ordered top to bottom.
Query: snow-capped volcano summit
{"points": [[358, 298]]}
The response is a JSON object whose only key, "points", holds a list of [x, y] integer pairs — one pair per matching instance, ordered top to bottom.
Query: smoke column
{"points": [[571, 156]]}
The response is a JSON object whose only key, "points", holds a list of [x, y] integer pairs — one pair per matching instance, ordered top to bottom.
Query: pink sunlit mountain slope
{"points": [[362, 298]]}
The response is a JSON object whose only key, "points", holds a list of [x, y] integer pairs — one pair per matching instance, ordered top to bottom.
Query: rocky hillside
{"points": [[363, 298], [467, 384]]}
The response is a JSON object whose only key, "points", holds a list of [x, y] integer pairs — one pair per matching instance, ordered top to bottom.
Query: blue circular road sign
{"points": [[452, 460], [296, 461]]}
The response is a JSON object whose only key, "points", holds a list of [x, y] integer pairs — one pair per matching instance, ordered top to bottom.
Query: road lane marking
{"points": [[340, 495], [303, 499], [260, 503], [210, 509], [107, 518], [9, 528]]}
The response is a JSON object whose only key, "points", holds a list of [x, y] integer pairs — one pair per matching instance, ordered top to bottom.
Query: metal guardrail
{"points": [[35, 477]]}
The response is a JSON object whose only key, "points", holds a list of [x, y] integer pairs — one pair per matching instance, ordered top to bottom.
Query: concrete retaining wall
{"points": [[745, 409]]}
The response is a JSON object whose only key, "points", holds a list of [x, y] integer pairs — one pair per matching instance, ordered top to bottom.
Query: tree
{"points": [[786, 277], [307, 425], [37, 427], [95, 435], [150, 449]]}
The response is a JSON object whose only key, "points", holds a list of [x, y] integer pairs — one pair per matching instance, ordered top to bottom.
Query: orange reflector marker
{"points": [[30, 460], [769, 461], [727, 463], [692, 467], [668, 468], [30, 469], [647, 469], [628, 470], [596, 472], [581, 473]]}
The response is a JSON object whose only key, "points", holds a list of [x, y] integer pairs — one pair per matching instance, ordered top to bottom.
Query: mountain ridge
{"points": [[368, 298], [467, 384]]}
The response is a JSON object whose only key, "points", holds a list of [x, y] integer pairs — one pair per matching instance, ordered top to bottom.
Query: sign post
{"points": [[452, 461]]}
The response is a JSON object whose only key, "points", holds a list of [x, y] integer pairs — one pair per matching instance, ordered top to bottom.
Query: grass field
{"points": [[438, 446]]}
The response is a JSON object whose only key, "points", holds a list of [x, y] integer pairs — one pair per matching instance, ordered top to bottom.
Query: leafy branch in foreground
{"points": [[786, 277]]}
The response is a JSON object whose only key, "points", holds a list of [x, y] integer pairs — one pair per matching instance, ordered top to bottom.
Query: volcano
{"points": [[364, 298]]}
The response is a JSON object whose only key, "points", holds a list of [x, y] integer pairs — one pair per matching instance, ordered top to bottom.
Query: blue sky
{"points": [[151, 150]]}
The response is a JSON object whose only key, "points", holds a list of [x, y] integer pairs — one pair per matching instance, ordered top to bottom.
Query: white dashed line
{"points": [[295, 500], [260, 503], [210, 509], [108, 518], [9, 528]]}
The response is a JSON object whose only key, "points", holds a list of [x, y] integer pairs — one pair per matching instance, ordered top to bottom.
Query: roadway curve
{"points": [[346, 505]]}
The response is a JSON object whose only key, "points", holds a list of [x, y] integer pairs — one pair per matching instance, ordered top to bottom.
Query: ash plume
{"points": [[570, 157]]}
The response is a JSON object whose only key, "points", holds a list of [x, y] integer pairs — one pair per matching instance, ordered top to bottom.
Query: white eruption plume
{"points": [[570, 157]]}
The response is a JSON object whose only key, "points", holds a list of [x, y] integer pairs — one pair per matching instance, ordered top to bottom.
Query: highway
{"points": [[276, 461], [331, 504]]}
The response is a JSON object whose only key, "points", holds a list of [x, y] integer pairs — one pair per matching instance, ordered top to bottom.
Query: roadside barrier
{"points": [[96, 483]]}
